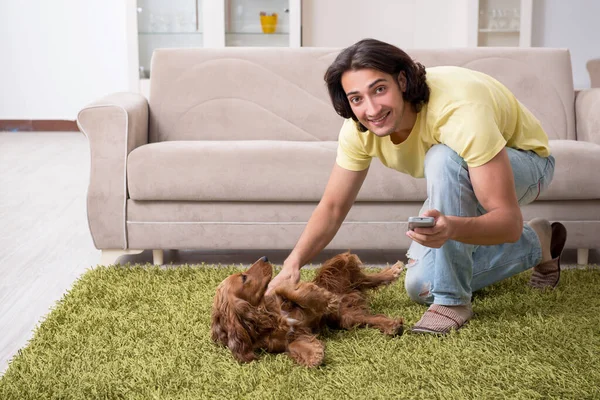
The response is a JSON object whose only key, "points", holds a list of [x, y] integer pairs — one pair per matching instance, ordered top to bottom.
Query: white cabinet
{"points": [[500, 23], [153, 24], [278, 26]]}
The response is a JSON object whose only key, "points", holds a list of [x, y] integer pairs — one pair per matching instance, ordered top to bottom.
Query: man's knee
{"points": [[441, 158], [418, 287]]}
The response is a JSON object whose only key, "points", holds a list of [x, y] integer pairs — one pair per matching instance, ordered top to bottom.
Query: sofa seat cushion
{"points": [[253, 170], [298, 171], [576, 171]]}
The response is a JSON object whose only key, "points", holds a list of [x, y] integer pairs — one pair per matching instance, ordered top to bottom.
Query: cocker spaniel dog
{"points": [[245, 320]]}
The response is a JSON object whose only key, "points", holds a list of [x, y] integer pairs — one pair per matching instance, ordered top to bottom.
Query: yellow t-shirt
{"points": [[468, 111]]}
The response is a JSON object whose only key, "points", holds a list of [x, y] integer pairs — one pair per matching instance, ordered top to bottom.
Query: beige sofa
{"points": [[593, 68], [234, 148]]}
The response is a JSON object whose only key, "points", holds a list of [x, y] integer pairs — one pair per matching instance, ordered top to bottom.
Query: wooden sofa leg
{"points": [[110, 256], [582, 256], [158, 257]]}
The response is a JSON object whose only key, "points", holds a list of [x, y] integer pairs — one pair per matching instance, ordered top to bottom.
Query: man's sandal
{"points": [[547, 274], [439, 320]]}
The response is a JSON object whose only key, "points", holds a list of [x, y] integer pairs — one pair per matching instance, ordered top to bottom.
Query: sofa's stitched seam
{"points": [[321, 57], [237, 60], [318, 99], [248, 101]]}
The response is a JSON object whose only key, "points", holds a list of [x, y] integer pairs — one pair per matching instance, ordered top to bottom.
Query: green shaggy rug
{"points": [[141, 332]]}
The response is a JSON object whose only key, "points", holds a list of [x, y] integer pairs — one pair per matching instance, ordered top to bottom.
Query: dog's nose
{"points": [[264, 259]]}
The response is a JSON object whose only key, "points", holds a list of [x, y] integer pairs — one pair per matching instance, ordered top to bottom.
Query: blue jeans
{"points": [[450, 274]]}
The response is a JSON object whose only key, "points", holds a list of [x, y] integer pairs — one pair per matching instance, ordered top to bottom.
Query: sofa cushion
{"points": [[540, 78], [214, 94], [577, 165], [262, 171]]}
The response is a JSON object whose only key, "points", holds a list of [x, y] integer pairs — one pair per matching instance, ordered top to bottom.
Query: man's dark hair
{"points": [[374, 54]]}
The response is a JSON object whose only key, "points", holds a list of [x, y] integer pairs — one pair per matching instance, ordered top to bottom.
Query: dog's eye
{"points": [[244, 277]]}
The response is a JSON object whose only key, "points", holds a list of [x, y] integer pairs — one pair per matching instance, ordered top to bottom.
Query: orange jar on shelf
{"points": [[268, 23]]}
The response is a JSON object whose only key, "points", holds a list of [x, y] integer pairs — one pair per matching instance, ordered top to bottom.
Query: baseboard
{"points": [[38, 125]]}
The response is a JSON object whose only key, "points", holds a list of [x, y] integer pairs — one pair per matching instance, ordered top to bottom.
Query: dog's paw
{"points": [[397, 269], [393, 273], [286, 288], [326, 299], [333, 303], [394, 328], [308, 351], [315, 359]]}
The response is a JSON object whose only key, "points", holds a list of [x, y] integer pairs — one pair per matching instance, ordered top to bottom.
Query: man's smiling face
{"points": [[376, 99]]}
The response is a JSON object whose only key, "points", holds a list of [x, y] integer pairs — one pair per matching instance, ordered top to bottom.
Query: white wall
{"points": [[339, 23], [404, 23], [443, 23], [572, 24], [58, 55]]}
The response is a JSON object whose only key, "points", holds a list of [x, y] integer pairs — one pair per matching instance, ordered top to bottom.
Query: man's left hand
{"points": [[436, 236]]}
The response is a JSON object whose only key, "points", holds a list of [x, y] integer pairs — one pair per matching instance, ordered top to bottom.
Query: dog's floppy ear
{"points": [[218, 319], [249, 323], [226, 326], [239, 340]]}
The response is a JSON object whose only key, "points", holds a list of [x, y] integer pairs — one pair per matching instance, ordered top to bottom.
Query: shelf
{"points": [[504, 23], [159, 24], [499, 31], [170, 33], [227, 33], [257, 34], [257, 39]]}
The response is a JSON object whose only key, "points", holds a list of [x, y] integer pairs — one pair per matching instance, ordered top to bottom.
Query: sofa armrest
{"points": [[587, 114], [114, 125]]}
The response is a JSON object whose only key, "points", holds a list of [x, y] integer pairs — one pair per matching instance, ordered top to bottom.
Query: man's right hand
{"points": [[340, 193], [288, 274]]}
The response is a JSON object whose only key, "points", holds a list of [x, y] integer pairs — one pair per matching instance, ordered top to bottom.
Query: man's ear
{"points": [[402, 81]]}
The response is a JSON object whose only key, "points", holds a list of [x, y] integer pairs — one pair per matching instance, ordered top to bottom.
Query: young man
{"points": [[483, 155]]}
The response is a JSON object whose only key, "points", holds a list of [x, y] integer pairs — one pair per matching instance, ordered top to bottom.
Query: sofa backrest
{"points": [[279, 93]]}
